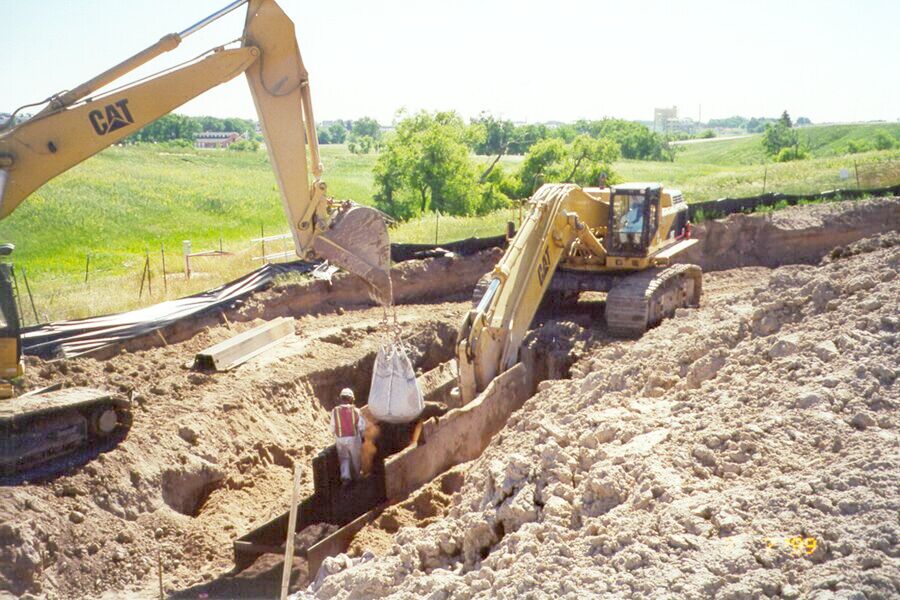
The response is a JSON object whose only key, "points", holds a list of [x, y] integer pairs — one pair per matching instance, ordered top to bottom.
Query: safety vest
{"points": [[346, 420]]}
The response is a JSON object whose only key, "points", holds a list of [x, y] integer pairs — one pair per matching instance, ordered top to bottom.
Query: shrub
{"points": [[777, 137], [883, 141], [244, 146], [792, 153]]}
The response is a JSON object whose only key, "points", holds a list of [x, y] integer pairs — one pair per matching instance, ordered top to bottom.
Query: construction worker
{"points": [[348, 426]]}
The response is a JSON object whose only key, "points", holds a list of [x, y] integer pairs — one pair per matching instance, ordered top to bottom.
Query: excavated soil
{"points": [[745, 449], [208, 456], [671, 466]]}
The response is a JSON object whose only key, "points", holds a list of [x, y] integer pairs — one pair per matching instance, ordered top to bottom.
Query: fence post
{"points": [[856, 168], [765, 178], [437, 216], [262, 241], [186, 250], [162, 252], [87, 266], [149, 275], [143, 277], [30, 297]]}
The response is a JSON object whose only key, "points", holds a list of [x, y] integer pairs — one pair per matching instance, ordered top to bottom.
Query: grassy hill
{"points": [[822, 140]]}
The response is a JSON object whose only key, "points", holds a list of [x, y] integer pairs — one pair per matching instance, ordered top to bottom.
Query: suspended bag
{"points": [[395, 395]]}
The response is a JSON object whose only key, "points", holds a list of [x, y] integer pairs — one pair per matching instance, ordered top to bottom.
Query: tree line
{"points": [[173, 127], [426, 163]]}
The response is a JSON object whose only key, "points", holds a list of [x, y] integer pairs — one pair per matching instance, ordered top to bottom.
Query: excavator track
{"points": [[644, 299], [37, 429]]}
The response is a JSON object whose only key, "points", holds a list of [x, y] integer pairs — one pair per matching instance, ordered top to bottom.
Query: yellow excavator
{"points": [[76, 124], [621, 240]]}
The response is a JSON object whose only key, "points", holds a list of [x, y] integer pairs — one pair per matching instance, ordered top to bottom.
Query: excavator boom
{"points": [[75, 125]]}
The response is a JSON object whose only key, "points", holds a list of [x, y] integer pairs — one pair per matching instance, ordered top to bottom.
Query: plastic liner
{"points": [[72, 338]]}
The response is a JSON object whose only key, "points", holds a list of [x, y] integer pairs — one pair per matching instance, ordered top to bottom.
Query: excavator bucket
{"points": [[355, 237], [358, 242]]}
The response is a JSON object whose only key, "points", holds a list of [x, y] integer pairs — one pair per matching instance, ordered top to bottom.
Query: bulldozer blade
{"points": [[358, 242]]}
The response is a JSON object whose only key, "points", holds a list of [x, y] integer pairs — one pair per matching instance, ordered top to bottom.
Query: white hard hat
{"points": [[347, 393]]}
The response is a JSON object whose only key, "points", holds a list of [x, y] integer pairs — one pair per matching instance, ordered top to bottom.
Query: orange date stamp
{"points": [[797, 545]]}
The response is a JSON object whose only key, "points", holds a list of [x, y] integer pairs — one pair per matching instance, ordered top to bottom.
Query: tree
{"points": [[785, 119], [803, 121], [735, 122], [758, 124], [366, 126], [168, 127], [337, 133], [494, 134], [364, 135], [526, 136], [778, 136], [883, 141], [553, 161], [425, 165]]}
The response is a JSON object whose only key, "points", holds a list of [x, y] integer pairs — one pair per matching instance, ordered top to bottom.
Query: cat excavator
{"points": [[76, 124], [621, 240]]}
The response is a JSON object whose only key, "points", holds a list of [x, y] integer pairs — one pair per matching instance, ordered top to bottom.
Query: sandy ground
{"points": [[208, 456], [672, 466]]}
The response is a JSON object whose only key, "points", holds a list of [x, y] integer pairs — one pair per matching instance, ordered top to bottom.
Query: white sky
{"points": [[524, 60]]}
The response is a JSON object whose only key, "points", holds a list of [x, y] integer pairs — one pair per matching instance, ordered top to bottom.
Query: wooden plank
{"points": [[241, 348], [289, 541], [338, 541]]}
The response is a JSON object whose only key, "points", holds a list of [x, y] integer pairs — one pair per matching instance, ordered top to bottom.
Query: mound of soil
{"points": [[745, 449]]}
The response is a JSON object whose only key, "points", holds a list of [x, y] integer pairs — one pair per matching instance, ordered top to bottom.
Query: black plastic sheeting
{"points": [[714, 209], [79, 336], [72, 338]]}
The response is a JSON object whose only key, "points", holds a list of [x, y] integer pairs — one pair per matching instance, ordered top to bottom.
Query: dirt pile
{"points": [[748, 448], [208, 456]]}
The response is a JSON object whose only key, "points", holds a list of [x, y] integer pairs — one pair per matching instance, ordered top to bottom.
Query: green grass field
{"points": [[128, 200]]}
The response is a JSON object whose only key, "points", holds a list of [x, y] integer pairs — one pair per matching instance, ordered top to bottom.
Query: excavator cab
{"points": [[634, 210], [10, 326]]}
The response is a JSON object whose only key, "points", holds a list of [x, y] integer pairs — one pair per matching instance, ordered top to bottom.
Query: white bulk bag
{"points": [[395, 395]]}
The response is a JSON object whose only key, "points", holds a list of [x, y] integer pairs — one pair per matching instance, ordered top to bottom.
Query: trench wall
{"points": [[790, 236], [459, 436]]}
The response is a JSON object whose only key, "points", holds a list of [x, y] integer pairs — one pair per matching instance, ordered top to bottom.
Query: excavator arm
{"points": [[75, 125], [492, 332]]}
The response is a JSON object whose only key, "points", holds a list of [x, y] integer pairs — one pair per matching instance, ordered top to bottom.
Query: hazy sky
{"points": [[527, 61]]}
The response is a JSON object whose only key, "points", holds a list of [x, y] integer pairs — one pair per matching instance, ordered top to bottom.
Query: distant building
{"points": [[662, 117], [216, 139]]}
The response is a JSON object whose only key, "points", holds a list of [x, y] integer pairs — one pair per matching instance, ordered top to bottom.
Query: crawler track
{"points": [[644, 299]]}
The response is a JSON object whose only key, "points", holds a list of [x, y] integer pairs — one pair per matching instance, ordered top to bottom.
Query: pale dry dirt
{"points": [[683, 464], [671, 466]]}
